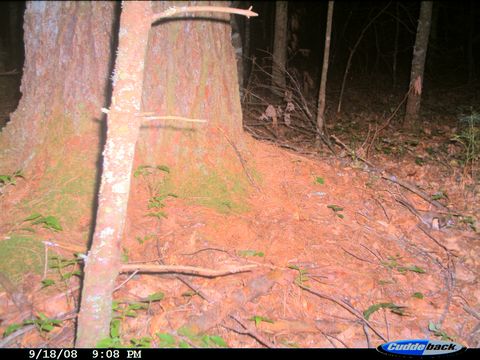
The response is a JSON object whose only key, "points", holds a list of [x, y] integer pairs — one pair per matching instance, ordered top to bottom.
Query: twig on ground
{"points": [[183, 269], [347, 307]]}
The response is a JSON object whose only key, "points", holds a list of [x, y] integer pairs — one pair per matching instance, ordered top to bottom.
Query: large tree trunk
{"points": [[280, 44], [418, 65], [66, 74], [197, 78], [187, 82], [55, 133], [103, 261]]}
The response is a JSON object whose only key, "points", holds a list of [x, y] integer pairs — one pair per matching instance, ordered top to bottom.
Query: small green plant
{"points": [[469, 138], [153, 177], [6, 180], [319, 180], [441, 194], [157, 202], [336, 209], [470, 221], [49, 222], [142, 240], [250, 253], [393, 264], [66, 268], [302, 275], [417, 295], [396, 309], [122, 310], [260, 319], [43, 324], [437, 331], [203, 341]]}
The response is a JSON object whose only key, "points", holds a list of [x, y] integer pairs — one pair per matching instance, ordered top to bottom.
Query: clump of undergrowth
{"points": [[468, 136], [9, 179]]}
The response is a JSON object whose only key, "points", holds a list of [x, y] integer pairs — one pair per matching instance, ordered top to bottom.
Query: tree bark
{"points": [[280, 45], [418, 65], [66, 75], [196, 79], [323, 81], [102, 264]]}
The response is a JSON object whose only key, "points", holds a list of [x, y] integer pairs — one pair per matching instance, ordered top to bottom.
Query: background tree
{"points": [[280, 44], [418, 64], [323, 80], [64, 86]]}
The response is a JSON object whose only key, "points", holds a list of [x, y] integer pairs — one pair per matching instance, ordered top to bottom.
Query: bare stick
{"points": [[189, 9], [180, 118], [250, 179], [189, 270], [345, 306]]}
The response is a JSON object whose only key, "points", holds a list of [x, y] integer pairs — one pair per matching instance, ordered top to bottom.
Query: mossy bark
{"points": [[191, 72], [65, 78]]}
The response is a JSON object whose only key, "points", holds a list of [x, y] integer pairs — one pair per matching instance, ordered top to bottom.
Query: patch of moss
{"points": [[222, 191], [20, 255]]}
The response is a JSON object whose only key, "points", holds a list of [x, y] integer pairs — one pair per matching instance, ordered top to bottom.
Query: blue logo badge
{"points": [[421, 347]]}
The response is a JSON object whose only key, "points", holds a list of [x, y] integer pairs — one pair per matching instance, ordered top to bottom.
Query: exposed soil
{"points": [[329, 238]]}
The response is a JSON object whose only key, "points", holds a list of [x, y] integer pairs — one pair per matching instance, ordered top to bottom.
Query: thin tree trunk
{"points": [[280, 45], [395, 46], [418, 64], [323, 82], [103, 261]]}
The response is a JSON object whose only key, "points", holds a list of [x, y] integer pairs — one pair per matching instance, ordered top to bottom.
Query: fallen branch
{"points": [[182, 269], [345, 306]]}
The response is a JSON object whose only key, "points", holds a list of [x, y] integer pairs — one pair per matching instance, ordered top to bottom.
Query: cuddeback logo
{"points": [[420, 347]]}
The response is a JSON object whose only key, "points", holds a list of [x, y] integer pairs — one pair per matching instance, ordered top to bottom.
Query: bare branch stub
{"points": [[188, 9]]}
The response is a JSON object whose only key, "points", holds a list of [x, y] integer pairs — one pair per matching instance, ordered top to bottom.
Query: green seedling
{"points": [[419, 161], [10, 179], [319, 180], [439, 195], [157, 201], [336, 209], [158, 214], [470, 221], [48, 222], [141, 240], [250, 253], [393, 264], [66, 268], [302, 275], [417, 295], [396, 309], [260, 319], [43, 324], [437, 331], [202, 340], [144, 342]]}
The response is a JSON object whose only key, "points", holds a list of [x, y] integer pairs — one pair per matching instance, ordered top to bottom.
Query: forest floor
{"points": [[340, 256]]}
